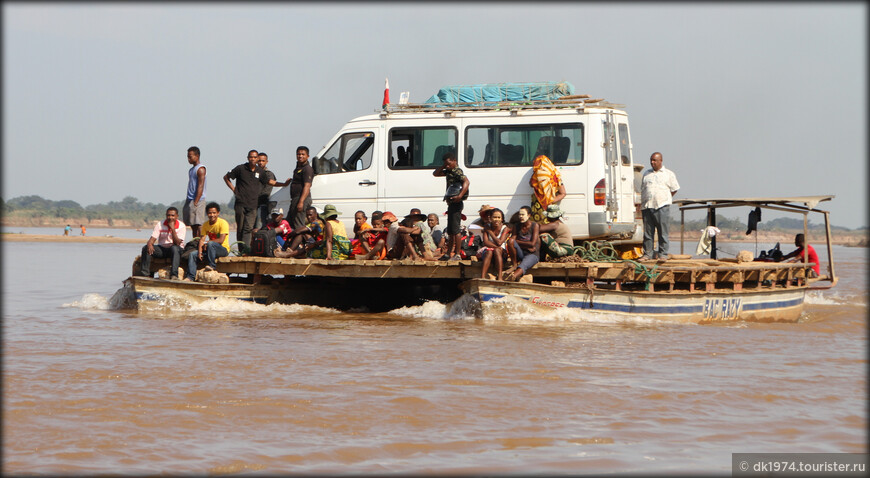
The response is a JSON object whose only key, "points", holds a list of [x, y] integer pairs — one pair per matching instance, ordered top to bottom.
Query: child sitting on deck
{"points": [[376, 237], [358, 245]]}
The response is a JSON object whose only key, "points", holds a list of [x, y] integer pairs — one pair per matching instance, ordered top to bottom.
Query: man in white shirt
{"points": [[659, 186], [168, 236]]}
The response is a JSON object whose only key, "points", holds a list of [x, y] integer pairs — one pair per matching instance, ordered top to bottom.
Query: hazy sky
{"points": [[101, 101]]}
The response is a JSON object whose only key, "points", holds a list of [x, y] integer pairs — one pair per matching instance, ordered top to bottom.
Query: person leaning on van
{"points": [[659, 186], [300, 188]]}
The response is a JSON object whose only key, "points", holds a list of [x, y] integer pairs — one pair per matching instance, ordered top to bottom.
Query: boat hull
{"points": [[148, 289], [756, 305]]}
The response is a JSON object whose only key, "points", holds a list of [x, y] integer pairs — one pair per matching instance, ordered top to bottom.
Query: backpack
{"points": [[263, 243], [469, 244]]}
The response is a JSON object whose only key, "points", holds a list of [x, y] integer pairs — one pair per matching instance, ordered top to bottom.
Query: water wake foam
{"points": [[833, 297], [125, 299], [515, 311]]}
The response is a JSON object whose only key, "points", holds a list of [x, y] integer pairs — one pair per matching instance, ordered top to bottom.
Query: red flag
{"points": [[386, 93]]}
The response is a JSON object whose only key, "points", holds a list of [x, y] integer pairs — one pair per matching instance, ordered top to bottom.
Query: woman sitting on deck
{"points": [[495, 236], [335, 244], [524, 244]]}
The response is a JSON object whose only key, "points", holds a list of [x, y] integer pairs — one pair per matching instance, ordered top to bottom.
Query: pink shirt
{"points": [[164, 238]]}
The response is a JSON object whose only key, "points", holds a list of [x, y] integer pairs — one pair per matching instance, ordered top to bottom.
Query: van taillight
{"points": [[598, 193]]}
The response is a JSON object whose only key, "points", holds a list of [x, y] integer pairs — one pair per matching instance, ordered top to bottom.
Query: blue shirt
{"points": [[192, 181]]}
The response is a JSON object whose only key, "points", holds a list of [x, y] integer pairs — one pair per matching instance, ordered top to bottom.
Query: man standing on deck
{"points": [[250, 179], [659, 186], [300, 189], [264, 205], [193, 211]]}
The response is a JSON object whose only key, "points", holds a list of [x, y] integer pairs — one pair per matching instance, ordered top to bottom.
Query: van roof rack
{"points": [[566, 102]]}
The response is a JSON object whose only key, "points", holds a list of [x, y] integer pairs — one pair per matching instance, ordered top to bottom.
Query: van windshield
{"points": [[491, 146]]}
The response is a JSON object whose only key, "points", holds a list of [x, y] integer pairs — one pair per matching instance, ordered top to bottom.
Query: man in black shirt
{"points": [[250, 179], [300, 189], [264, 202]]}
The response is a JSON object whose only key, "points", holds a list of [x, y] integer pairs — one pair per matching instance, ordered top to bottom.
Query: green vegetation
{"points": [[128, 209], [775, 225]]}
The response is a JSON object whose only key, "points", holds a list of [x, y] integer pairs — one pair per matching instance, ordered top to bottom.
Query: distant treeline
{"points": [[131, 209], [778, 224]]}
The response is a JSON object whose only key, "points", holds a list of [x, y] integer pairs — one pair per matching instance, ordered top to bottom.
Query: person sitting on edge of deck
{"points": [[391, 223], [280, 225], [437, 234], [168, 236], [304, 236], [495, 236], [376, 237], [556, 237], [414, 240], [215, 241], [335, 244], [524, 244], [358, 245], [798, 254]]}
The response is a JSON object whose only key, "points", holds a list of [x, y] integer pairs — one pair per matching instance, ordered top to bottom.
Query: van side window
{"points": [[624, 144], [519, 145], [420, 148], [350, 152]]}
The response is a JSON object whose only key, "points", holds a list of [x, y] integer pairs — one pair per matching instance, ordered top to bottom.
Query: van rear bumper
{"points": [[599, 227]]}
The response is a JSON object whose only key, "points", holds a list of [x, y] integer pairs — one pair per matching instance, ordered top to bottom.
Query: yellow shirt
{"points": [[219, 227]]}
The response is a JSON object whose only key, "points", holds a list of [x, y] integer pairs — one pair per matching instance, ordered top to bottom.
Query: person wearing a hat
{"points": [[391, 224], [280, 225], [478, 225], [556, 235], [376, 238], [414, 239], [335, 244]]}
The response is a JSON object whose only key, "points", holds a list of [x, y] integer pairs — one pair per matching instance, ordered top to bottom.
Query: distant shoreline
{"points": [[16, 237]]}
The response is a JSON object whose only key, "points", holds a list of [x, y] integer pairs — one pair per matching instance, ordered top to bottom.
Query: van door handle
{"points": [[367, 183]]}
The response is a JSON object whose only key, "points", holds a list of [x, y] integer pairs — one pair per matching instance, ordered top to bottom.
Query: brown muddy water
{"points": [[239, 388]]}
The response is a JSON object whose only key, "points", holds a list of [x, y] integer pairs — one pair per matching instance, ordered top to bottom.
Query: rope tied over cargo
{"points": [[603, 251]]}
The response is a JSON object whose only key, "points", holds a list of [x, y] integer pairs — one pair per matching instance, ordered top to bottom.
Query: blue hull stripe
{"points": [[656, 309]]}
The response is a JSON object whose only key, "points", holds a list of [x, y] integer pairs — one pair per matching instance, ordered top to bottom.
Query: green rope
{"points": [[241, 250], [605, 252]]}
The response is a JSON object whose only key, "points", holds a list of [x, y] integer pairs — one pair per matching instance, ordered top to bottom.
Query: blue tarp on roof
{"points": [[494, 92]]}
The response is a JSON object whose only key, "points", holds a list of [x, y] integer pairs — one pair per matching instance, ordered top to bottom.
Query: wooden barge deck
{"points": [[690, 274]]}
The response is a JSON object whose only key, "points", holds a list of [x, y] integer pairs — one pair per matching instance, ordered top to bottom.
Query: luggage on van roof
{"points": [[495, 92]]}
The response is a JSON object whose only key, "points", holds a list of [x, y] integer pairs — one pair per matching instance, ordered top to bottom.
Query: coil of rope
{"points": [[604, 251]]}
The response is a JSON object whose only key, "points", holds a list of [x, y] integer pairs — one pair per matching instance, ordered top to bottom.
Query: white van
{"points": [[385, 161]]}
